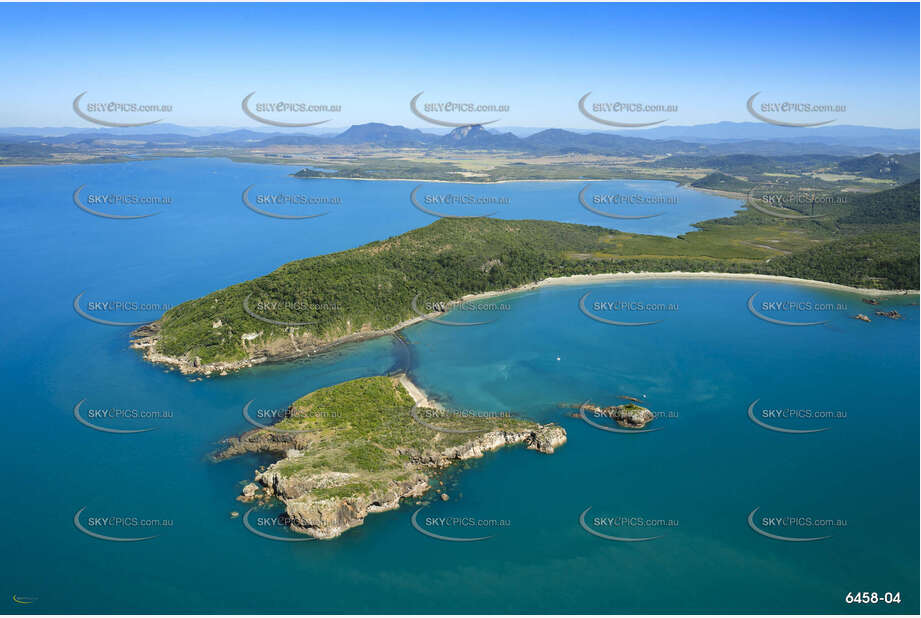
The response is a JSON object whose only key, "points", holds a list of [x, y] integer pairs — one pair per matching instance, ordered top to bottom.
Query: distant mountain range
{"points": [[855, 135], [704, 140]]}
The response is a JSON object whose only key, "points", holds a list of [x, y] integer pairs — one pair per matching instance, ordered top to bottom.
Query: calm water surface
{"points": [[701, 366]]}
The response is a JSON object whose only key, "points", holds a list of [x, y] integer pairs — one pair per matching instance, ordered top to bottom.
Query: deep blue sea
{"points": [[693, 483]]}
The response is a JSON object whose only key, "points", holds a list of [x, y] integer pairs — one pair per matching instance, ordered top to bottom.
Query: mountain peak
{"points": [[470, 131]]}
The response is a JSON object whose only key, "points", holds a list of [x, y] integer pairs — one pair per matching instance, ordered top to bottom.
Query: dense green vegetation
{"points": [[900, 168], [395, 169], [722, 182], [899, 205], [869, 241], [876, 242], [875, 259], [374, 285], [364, 428]]}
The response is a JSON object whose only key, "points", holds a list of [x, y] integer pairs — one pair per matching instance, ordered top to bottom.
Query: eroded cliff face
{"points": [[328, 517]]}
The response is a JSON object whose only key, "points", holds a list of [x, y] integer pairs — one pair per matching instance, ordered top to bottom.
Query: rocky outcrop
{"points": [[892, 315], [147, 337], [258, 348], [630, 416], [546, 438], [262, 441], [295, 486], [326, 517]]}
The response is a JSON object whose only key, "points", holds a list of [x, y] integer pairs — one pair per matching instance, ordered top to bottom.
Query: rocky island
{"points": [[629, 416], [358, 448]]}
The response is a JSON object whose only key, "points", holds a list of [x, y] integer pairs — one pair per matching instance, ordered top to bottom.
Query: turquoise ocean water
{"points": [[692, 483]]}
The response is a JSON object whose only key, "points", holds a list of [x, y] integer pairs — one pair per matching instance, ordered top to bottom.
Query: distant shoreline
{"points": [[718, 192]]}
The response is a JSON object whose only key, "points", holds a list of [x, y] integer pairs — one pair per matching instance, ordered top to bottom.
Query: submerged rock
{"points": [[892, 315]]}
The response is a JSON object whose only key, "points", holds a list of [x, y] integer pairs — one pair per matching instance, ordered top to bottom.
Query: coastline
{"points": [[484, 182], [687, 185], [716, 192], [678, 275], [146, 341], [415, 391]]}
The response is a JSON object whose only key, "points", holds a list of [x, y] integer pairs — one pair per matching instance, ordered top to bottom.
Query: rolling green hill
{"points": [[901, 168], [722, 182], [899, 205]]}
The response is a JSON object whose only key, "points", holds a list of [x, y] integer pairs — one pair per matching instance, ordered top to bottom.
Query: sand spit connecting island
{"points": [[146, 337], [362, 446]]}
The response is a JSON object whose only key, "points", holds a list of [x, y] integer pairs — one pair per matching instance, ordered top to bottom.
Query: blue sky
{"points": [[538, 59]]}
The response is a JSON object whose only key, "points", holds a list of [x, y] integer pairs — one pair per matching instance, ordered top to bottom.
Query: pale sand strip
{"points": [[639, 276], [422, 400]]}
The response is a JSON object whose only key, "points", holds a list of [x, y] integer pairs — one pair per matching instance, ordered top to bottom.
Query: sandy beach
{"points": [[638, 276], [419, 396]]}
